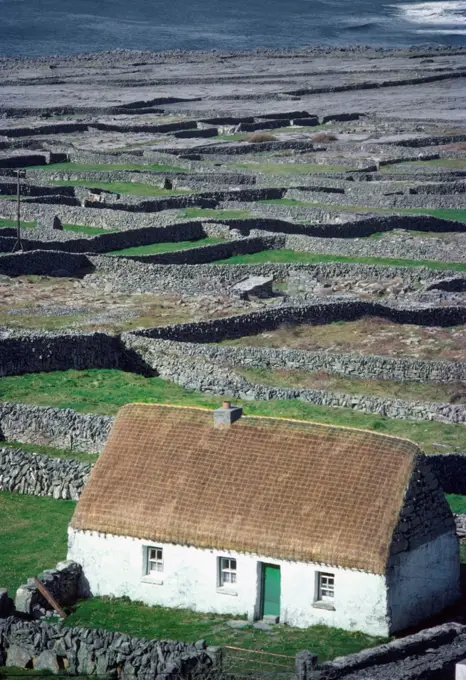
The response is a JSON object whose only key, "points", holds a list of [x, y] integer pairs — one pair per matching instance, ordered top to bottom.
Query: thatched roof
{"points": [[273, 487]]}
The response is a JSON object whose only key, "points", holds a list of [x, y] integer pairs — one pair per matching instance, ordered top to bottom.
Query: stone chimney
{"points": [[226, 415]]}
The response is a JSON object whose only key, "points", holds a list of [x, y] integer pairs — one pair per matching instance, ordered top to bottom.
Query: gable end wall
{"points": [[423, 569]]}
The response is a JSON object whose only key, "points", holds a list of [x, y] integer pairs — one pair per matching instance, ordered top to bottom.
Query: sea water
{"points": [[47, 27]]}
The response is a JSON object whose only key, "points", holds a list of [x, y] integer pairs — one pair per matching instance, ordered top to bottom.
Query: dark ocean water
{"points": [[47, 27]]}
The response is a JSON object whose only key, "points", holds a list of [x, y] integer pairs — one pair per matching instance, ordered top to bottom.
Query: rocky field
{"points": [[317, 197]]}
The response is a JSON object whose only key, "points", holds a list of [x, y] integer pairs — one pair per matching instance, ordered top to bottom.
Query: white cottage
{"points": [[304, 522]]}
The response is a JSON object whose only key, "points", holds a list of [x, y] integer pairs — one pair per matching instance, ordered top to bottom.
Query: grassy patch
{"points": [[237, 137], [450, 163], [109, 167], [290, 168], [131, 188], [287, 201], [211, 212], [455, 214], [4, 222], [82, 229], [154, 248], [311, 258], [34, 319], [368, 335], [323, 380], [104, 391], [51, 451], [457, 503], [32, 535], [463, 551], [137, 619]]}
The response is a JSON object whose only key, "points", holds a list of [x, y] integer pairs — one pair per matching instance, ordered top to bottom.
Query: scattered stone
{"points": [[238, 624], [262, 625]]}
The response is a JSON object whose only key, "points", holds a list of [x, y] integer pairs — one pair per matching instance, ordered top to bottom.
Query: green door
{"points": [[270, 590]]}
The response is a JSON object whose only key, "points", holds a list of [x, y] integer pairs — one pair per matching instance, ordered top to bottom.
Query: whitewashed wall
{"points": [[114, 565], [423, 581]]}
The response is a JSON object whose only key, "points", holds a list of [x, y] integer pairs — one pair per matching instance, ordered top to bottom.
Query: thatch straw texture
{"points": [[272, 487]]}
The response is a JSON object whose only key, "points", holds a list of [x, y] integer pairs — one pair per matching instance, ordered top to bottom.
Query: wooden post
{"points": [[49, 597]]}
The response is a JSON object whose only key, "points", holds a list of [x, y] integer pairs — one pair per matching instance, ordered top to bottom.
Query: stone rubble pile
{"points": [[65, 583]]}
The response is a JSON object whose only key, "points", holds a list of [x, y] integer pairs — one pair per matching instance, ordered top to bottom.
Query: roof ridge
{"points": [[279, 418]]}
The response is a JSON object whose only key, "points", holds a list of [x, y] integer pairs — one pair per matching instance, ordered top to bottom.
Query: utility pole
{"points": [[20, 174]]}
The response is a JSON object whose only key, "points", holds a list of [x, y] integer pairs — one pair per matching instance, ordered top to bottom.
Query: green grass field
{"points": [[450, 163], [110, 167], [289, 168], [211, 212], [4, 222], [90, 231], [155, 248], [286, 256], [104, 391], [51, 451], [457, 503], [32, 536], [135, 618]]}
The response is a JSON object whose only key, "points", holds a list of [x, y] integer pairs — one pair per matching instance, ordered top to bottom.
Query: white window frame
{"points": [[156, 560], [227, 573], [325, 587]]}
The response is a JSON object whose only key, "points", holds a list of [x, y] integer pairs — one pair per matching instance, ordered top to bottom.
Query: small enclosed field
{"points": [[368, 335]]}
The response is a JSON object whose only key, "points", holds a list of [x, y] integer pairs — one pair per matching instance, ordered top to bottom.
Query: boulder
{"points": [[257, 286], [23, 599], [19, 657], [47, 661]]}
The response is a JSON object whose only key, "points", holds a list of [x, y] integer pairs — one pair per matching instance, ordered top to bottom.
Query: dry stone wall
{"points": [[152, 178], [28, 189], [103, 218], [73, 242], [406, 247], [209, 253], [41, 262], [125, 275], [317, 312], [32, 351], [360, 366], [206, 376], [55, 427], [450, 470], [38, 475], [425, 514], [66, 583], [98, 652], [430, 654]]}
